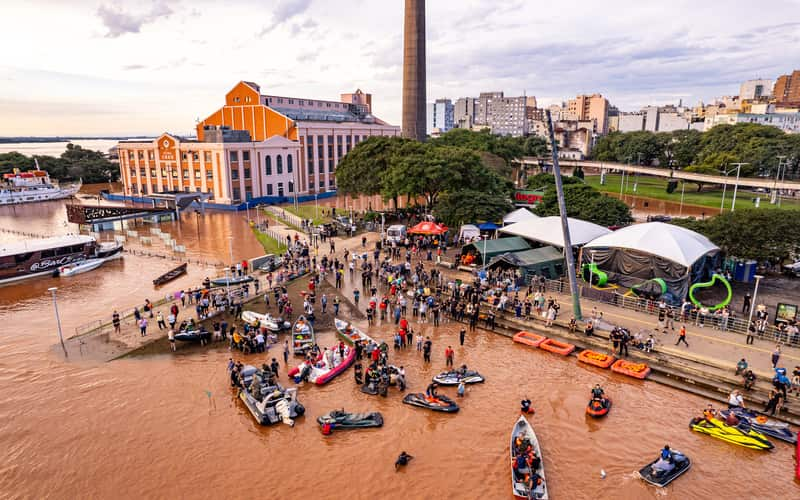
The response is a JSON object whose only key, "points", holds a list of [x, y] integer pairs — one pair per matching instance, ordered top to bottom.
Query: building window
{"points": [[236, 99], [280, 100], [291, 101], [320, 139], [348, 139], [310, 140], [339, 140], [330, 150], [339, 151], [320, 153], [140, 155], [245, 155], [131, 156], [151, 156], [184, 156], [195, 156], [207, 156], [234, 156], [268, 164], [279, 164], [289, 164], [330, 164], [310, 166], [321, 167], [133, 172], [152, 172], [163, 172], [174, 173], [246, 173], [185, 174], [209, 174], [235, 174], [331, 182], [310, 185], [291, 186], [154, 188], [134, 189], [186, 189], [269, 189], [280, 189], [236, 194], [248, 195]]}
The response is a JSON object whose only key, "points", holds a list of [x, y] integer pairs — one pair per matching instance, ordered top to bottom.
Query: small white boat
{"points": [[80, 267]]}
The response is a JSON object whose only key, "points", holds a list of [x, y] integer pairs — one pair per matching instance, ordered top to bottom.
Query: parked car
{"points": [[792, 269]]}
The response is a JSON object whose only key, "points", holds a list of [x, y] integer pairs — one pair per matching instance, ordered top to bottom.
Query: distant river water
{"points": [[56, 148], [146, 427]]}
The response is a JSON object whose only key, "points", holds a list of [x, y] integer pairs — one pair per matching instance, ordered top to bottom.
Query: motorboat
{"points": [[80, 267], [170, 275], [231, 280], [267, 321], [350, 333], [302, 335], [325, 367], [273, 404], [598, 408], [761, 423], [522, 479]]}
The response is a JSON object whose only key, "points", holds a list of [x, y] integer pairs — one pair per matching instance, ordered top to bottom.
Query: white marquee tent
{"points": [[519, 215], [547, 230], [667, 241]]}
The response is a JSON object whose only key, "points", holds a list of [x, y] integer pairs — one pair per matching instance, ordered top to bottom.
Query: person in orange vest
{"points": [[682, 336]]}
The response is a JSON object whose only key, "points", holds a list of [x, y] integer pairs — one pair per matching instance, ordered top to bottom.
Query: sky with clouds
{"points": [[106, 67]]}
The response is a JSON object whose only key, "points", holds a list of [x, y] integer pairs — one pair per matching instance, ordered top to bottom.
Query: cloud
{"points": [[284, 11], [118, 22], [297, 28], [133, 67]]}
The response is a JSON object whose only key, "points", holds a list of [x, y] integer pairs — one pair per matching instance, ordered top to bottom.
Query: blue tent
{"points": [[488, 226]]}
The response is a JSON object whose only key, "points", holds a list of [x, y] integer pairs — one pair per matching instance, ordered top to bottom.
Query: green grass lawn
{"points": [[656, 187], [309, 212], [271, 245]]}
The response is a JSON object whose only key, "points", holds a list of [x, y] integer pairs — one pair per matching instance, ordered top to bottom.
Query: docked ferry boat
{"points": [[32, 186], [26, 259]]}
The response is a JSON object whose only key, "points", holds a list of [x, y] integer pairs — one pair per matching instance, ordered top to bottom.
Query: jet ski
{"points": [[193, 335], [454, 378], [439, 403], [272, 404], [598, 408], [343, 420], [764, 425], [741, 435], [660, 473]]}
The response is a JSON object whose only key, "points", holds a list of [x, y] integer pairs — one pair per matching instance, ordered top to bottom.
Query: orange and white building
{"points": [[255, 147]]}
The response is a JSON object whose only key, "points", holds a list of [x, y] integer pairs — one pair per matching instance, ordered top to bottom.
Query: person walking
{"points": [[324, 301], [746, 303], [336, 305], [160, 319], [116, 322], [143, 327], [751, 332], [461, 336], [682, 336], [171, 337], [426, 350], [448, 356], [776, 356]]}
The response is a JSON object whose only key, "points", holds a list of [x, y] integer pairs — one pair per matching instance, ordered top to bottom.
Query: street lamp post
{"points": [[738, 168], [777, 175], [736, 186], [683, 188], [52, 291], [753, 304]]}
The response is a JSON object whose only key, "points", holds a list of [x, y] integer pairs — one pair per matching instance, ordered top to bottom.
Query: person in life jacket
{"points": [[431, 390], [597, 392], [525, 406], [709, 413], [327, 427]]}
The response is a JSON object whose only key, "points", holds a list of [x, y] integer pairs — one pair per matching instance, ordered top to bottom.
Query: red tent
{"points": [[426, 227]]}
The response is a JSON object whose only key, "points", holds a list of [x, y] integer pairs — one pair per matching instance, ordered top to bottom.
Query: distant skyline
{"points": [[102, 68]]}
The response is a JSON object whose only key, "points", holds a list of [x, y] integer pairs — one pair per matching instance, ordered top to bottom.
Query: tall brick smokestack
{"points": [[414, 119]]}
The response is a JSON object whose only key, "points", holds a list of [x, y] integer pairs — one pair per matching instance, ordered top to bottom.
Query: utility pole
{"points": [[777, 175], [736, 186], [562, 208], [52, 291]]}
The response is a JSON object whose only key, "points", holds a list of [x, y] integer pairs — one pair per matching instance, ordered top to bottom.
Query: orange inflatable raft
{"points": [[528, 338], [557, 347], [595, 358], [636, 370]]}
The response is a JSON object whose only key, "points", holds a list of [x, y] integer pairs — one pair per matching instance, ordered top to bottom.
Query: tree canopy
{"points": [[751, 143], [73, 164], [583, 201], [760, 234]]}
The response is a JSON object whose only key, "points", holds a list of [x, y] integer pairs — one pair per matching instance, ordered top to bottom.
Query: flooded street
{"points": [[147, 427]]}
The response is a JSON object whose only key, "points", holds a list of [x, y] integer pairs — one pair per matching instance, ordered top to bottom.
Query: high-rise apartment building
{"points": [[787, 89], [753, 90], [589, 107], [492, 110], [464, 112], [441, 116]]}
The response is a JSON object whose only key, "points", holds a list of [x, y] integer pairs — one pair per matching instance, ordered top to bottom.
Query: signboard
{"points": [[527, 197], [785, 313]]}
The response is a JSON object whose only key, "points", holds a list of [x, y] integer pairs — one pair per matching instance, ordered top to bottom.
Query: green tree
{"points": [[75, 163], [362, 170], [543, 181], [586, 203], [469, 205], [760, 234]]}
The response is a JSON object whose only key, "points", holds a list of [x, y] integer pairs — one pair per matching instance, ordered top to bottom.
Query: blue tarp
{"points": [[488, 226]]}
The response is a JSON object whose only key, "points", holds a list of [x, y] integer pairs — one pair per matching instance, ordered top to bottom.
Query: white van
{"points": [[396, 234]]}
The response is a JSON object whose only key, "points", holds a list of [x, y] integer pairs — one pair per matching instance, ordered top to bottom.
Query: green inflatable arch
{"points": [[593, 275], [658, 281], [707, 284]]}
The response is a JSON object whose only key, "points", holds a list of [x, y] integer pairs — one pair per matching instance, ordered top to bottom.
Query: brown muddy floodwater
{"points": [[145, 427]]}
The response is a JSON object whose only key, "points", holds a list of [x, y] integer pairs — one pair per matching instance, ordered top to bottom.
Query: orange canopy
{"points": [[426, 227]]}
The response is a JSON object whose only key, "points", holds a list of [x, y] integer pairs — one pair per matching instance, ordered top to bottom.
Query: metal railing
{"points": [[650, 307]]}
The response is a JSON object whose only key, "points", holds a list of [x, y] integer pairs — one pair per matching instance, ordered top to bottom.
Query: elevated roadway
{"points": [[730, 180]]}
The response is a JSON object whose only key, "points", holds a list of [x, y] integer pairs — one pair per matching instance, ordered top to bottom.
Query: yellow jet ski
{"points": [[743, 435]]}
